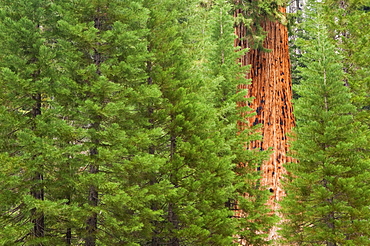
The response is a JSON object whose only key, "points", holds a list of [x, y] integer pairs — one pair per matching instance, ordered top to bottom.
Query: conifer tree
{"points": [[347, 20], [261, 26], [105, 60], [31, 128], [200, 130], [110, 135], [327, 190], [248, 201], [191, 207]]}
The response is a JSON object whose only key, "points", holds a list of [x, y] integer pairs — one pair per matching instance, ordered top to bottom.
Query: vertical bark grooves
{"points": [[272, 93]]}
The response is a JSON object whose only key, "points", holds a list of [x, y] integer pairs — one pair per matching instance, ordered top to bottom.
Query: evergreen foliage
{"points": [[253, 13], [347, 21], [105, 42], [123, 123], [114, 133], [30, 143], [199, 166], [327, 190], [253, 221]]}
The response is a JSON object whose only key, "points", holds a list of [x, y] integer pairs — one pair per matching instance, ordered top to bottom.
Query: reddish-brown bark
{"points": [[272, 93]]}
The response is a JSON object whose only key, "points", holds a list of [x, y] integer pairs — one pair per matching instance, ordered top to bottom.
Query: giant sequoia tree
{"points": [[261, 29], [267, 39], [249, 201]]}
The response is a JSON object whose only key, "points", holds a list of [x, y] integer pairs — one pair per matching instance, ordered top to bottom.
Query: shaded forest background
{"points": [[131, 123]]}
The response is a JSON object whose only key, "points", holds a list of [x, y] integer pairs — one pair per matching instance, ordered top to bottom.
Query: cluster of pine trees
{"points": [[119, 125], [328, 189]]}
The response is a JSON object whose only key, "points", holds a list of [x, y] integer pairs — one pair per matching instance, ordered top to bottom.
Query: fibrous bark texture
{"points": [[272, 94]]}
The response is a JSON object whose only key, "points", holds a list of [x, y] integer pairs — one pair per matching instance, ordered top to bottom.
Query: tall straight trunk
{"points": [[272, 93], [37, 191], [172, 216], [38, 217], [92, 221], [68, 232], [69, 236], [155, 240]]}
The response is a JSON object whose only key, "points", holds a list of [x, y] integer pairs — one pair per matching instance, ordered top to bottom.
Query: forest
{"points": [[184, 122]]}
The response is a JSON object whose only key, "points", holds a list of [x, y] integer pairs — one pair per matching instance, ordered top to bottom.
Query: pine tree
{"points": [[347, 20], [105, 62], [32, 129], [200, 129], [111, 135], [327, 191], [193, 210]]}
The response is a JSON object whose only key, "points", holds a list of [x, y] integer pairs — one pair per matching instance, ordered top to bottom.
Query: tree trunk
{"points": [[272, 93], [37, 191], [172, 216], [38, 220], [92, 221], [68, 233], [69, 236], [156, 240]]}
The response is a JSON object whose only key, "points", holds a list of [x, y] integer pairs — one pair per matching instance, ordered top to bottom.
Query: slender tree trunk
{"points": [[272, 93], [37, 191], [93, 198], [172, 216], [39, 219], [329, 219], [92, 221], [331, 225], [68, 233], [69, 236], [156, 241]]}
